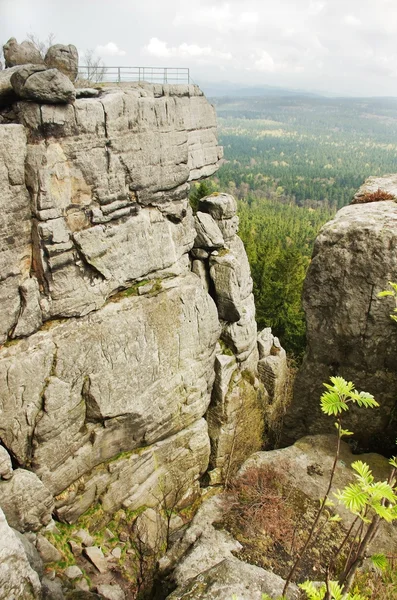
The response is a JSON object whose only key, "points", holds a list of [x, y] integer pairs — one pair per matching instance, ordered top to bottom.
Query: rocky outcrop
{"points": [[21, 54], [64, 58], [39, 84], [120, 309], [349, 330], [306, 466], [202, 564], [17, 578]]}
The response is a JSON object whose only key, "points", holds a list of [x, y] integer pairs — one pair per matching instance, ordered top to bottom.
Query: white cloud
{"points": [[219, 18], [352, 20], [110, 49], [161, 49], [265, 62]]}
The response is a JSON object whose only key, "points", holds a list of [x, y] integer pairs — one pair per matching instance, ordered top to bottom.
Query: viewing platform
{"points": [[105, 74]]}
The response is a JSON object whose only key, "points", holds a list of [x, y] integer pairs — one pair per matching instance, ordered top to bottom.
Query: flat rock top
{"points": [[388, 183], [374, 215]]}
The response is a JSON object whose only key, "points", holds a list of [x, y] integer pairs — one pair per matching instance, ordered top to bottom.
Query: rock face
{"points": [[21, 54], [63, 58], [37, 83], [349, 330], [111, 343], [204, 566], [17, 578]]}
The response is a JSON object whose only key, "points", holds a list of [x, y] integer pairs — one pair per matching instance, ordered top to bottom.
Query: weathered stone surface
{"points": [[21, 54], [64, 58], [39, 84], [87, 93], [7, 94], [101, 161], [373, 184], [219, 206], [208, 235], [15, 238], [199, 269], [224, 273], [230, 273], [30, 318], [349, 330], [241, 335], [272, 365], [90, 413], [235, 418], [5, 464], [307, 466], [143, 478], [26, 502], [151, 529], [85, 537], [202, 545], [47, 551], [95, 554], [32, 555], [198, 561], [73, 572], [17, 578], [233, 578], [52, 589], [111, 592]]}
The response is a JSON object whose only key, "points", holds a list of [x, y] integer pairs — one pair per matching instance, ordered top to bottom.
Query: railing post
{"points": [[118, 69], [165, 75], [188, 76]]}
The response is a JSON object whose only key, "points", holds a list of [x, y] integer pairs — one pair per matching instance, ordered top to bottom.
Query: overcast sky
{"points": [[339, 46]]}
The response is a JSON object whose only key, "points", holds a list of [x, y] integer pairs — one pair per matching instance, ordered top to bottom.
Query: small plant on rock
{"points": [[369, 501]]}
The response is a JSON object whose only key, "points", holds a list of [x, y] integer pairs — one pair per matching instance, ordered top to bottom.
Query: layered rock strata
{"points": [[120, 308], [349, 329]]}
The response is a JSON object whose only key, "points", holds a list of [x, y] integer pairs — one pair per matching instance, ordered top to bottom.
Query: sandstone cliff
{"points": [[349, 330], [129, 354]]}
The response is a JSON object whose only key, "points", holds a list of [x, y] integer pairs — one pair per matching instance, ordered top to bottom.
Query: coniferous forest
{"points": [[292, 162]]}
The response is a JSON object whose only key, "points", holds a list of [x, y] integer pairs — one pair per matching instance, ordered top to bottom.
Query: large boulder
{"points": [[21, 54], [63, 58], [50, 86], [7, 94], [349, 329], [26, 502], [17, 578]]}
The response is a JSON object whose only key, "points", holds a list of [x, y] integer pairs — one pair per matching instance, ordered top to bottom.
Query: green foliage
{"points": [[308, 150], [200, 190], [278, 238], [392, 292], [338, 396], [368, 495], [369, 500], [380, 561], [318, 593]]}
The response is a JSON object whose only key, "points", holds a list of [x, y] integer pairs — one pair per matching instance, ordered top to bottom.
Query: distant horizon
{"points": [[284, 90]]}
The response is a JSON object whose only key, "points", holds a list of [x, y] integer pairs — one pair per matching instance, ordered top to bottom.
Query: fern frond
{"points": [[341, 386], [364, 399], [331, 404], [363, 471], [380, 490], [353, 498], [384, 512], [380, 561], [336, 590], [312, 592]]}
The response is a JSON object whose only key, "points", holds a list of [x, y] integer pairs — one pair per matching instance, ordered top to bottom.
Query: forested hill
{"points": [[315, 149], [292, 161]]}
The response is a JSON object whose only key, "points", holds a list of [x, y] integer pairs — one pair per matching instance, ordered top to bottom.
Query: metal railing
{"points": [[96, 74]]}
